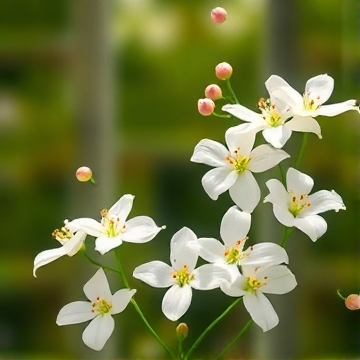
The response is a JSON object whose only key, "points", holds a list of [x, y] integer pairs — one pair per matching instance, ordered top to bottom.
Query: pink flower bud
{"points": [[218, 15], [223, 71], [213, 92], [206, 106], [83, 173], [352, 302]]}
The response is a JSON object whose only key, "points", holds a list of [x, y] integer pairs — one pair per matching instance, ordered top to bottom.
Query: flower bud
{"points": [[218, 15], [223, 71], [213, 92], [206, 107], [83, 173], [352, 302], [182, 331]]}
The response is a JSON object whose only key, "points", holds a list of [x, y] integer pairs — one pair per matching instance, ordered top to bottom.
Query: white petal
{"points": [[275, 82], [320, 86], [291, 97], [337, 109], [241, 112], [304, 124], [250, 128], [277, 136], [242, 142], [210, 152], [264, 157], [218, 180], [298, 182], [245, 192], [278, 194], [322, 201], [122, 207], [283, 215], [235, 225], [313, 225], [90, 226], [140, 229], [74, 244], [103, 244], [211, 250], [180, 253], [264, 254], [47, 256], [155, 273], [210, 276], [280, 280], [98, 286], [234, 288], [121, 299], [176, 301], [261, 310], [75, 313], [98, 332]]}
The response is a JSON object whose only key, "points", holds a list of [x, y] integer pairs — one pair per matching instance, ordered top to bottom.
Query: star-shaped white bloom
{"points": [[317, 91], [276, 121], [234, 167], [295, 207], [114, 227], [234, 228], [71, 244], [181, 276], [252, 285], [100, 309]]}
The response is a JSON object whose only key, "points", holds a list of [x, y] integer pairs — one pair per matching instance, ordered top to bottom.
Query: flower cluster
{"points": [[239, 270]]}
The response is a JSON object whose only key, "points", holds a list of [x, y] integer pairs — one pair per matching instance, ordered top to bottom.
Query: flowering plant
{"points": [[243, 272]]}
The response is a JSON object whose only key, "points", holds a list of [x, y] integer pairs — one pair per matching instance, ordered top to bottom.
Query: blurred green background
{"points": [[114, 85]]}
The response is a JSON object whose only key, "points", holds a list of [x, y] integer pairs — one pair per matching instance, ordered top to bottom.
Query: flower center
{"points": [[311, 103], [269, 113], [238, 161], [298, 203], [112, 224], [62, 235], [235, 254], [183, 276], [253, 283], [101, 306]]}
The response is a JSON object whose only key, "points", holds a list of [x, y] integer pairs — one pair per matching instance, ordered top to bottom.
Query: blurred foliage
{"points": [[165, 55]]}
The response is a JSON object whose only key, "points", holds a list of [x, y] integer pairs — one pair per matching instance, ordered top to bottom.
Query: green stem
{"points": [[231, 90], [221, 115], [303, 145], [281, 174], [287, 232], [99, 264], [341, 297], [137, 308], [199, 339], [235, 339]]}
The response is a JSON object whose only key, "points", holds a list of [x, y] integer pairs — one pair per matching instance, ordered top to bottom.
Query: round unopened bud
{"points": [[218, 15], [223, 71], [213, 92], [206, 107], [83, 173], [352, 302], [182, 331]]}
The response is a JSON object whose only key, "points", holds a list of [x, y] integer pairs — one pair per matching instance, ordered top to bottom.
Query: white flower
{"points": [[317, 91], [274, 121], [234, 167], [295, 207], [114, 227], [234, 228], [71, 244], [181, 276], [253, 283], [100, 309]]}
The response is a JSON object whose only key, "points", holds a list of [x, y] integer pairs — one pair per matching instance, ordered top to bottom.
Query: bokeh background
{"points": [[113, 84]]}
